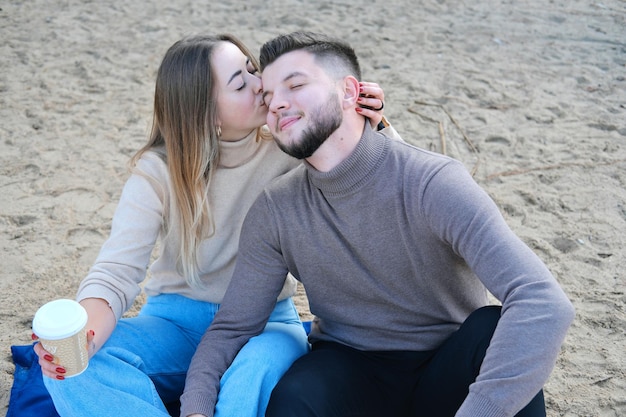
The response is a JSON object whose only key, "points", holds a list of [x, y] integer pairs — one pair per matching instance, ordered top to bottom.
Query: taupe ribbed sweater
{"points": [[395, 247]]}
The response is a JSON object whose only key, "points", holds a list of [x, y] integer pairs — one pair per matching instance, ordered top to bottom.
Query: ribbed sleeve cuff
{"points": [[196, 402], [477, 405]]}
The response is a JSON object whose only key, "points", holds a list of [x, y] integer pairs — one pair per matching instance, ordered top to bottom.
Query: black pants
{"points": [[334, 380]]}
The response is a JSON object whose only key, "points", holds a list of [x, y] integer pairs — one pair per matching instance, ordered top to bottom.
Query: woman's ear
{"points": [[351, 91]]}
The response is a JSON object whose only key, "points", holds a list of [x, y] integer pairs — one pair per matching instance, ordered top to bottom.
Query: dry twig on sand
{"points": [[441, 131]]}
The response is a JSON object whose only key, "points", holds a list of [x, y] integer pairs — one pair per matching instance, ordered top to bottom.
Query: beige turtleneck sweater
{"points": [[246, 166]]}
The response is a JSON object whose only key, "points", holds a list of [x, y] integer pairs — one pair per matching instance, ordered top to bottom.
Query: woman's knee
{"points": [[279, 341]]}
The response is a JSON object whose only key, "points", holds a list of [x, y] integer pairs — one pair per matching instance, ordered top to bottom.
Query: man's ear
{"points": [[351, 91]]}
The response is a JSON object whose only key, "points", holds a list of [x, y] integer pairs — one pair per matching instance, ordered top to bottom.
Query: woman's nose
{"points": [[257, 85]]}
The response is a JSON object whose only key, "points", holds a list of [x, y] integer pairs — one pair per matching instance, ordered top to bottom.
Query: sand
{"points": [[530, 95]]}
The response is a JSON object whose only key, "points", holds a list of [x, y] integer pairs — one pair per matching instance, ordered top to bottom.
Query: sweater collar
{"points": [[237, 153], [356, 169]]}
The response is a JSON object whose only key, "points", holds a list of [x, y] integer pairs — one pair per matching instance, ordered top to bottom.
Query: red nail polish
{"points": [[361, 89], [358, 109], [91, 332], [34, 336], [48, 358], [60, 370], [60, 377]]}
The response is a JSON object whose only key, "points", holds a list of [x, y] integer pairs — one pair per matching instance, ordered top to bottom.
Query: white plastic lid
{"points": [[59, 319]]}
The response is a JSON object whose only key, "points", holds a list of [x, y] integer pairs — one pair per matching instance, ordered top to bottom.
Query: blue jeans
{"points": [[143, 364]]}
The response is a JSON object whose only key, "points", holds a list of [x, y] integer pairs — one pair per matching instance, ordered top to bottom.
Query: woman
{"points": [[206, 160]]}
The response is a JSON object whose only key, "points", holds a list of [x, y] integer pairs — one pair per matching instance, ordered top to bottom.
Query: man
{"points": [[395, 247]]}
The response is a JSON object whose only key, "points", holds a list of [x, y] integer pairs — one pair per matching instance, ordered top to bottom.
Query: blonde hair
{"points": [[185, 134]]}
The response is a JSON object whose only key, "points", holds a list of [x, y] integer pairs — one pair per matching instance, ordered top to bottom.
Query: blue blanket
{"points": [[29, 397]]}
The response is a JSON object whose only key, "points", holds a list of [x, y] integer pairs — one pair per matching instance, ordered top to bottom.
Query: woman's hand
{"points": [[371, 102], [100, 317], [50, 366]]}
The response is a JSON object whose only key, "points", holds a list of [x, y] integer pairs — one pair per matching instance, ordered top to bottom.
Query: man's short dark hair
{"points": [[335, 55]]}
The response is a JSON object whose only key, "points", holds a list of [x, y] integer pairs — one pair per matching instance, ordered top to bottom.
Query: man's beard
{"points": [[323, 123]]}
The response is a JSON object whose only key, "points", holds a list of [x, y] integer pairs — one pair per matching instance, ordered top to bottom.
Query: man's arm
{"points": [[536, 313]]}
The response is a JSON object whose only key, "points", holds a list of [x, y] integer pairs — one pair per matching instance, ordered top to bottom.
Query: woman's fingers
{"points": [[372, 89], [371, 102], [91, 345], [48, 364]]}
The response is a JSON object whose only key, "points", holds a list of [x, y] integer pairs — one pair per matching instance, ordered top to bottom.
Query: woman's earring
{"points": [[219, 131]]}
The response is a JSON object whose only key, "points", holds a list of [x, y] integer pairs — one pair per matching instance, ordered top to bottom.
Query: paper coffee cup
{"points": [[60, 326]]}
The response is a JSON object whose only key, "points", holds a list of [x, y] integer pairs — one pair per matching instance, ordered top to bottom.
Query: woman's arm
{"points": [[122, 260], [100, 323]]}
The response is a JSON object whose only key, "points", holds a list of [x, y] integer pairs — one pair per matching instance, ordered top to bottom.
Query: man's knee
{"points": [[485, 316], [287, 398]]}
